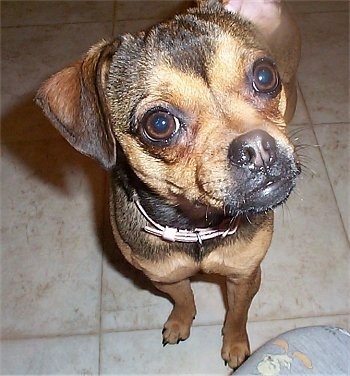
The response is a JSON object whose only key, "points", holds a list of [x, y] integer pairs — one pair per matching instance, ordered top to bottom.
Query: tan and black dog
{"points": [[190, 118]]}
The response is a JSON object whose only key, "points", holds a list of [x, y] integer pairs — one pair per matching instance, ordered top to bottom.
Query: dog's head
{"points": [[196, 105]]}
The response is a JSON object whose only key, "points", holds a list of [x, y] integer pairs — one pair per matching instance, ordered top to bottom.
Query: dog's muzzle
{"points": [[263, 170]]}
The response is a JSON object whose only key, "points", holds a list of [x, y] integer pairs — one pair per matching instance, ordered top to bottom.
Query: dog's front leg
{"points": [[240, 292], [178, 326]]}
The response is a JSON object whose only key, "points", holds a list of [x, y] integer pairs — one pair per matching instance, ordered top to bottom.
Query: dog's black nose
{"points": [[254, 150]]}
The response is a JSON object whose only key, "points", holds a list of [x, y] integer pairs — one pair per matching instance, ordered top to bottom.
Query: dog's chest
{"points": [[177, 262]]}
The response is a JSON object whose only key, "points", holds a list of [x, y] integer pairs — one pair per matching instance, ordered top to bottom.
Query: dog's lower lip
{"points": [[273, 188], [277, 188], [271, 194]]}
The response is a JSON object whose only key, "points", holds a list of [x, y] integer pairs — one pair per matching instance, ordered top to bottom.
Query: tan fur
{"points": [[99, 103], [243, 258]]}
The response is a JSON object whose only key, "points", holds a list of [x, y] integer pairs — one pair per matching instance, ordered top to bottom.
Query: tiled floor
{"points": [[69, 303]]}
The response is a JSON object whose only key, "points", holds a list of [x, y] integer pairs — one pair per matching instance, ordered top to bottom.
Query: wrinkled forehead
{"points": [[192, 44], [182, 47], [202, 60]]}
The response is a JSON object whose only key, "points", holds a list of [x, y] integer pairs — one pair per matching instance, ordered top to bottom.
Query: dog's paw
{"points": [[178, 327], [234, 352]]}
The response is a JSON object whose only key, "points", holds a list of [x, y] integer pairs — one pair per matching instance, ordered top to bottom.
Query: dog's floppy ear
{"points": [[73, 99]]}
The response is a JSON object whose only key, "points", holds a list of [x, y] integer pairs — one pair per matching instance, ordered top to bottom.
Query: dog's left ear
{"points": [[74, 100]]}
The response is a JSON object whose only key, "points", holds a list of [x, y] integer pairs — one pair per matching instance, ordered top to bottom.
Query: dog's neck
{"points": [[184, 214], [196, 235]]}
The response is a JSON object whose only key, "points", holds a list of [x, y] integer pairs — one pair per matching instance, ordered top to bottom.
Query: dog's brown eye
{"points": [[265, 77], [159, 126]]}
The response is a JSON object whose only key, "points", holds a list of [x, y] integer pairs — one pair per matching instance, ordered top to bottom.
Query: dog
{"points": [[190, 119]]}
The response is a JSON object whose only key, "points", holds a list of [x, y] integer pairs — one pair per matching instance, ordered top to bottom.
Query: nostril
{"points": [[255, 150], [240, 153], [248, 155]]}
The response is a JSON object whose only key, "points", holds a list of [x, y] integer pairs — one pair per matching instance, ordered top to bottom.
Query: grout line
{"points": [[319, 11], [56, 24], [305, 104], [332, 123], [104, 225], [344, 314], [290, 319], [100, 321], [100, 328], [109, 331], [49, 336]]}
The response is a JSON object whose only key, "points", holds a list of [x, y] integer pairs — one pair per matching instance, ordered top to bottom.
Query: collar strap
{"points": [[198, 235]]}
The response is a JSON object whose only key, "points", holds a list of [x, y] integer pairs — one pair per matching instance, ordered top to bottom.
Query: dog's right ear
{"points": [[74, 100]]}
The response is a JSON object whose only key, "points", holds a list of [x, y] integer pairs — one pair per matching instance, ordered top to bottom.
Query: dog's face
{"points": [[196, 105], [203, 126]]}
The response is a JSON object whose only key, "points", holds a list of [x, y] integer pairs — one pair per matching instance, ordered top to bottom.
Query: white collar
{"points": [[198, 235]]}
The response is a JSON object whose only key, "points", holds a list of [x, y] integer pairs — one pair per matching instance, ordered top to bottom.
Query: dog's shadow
{"points": [[31, 142], [32, 147]]}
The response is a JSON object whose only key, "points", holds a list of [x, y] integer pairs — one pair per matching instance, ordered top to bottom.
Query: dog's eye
{"points": [[265, 77], [159, 126]]}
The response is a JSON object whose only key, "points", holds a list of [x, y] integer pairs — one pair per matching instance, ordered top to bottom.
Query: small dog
{"points": [[190, 118]]}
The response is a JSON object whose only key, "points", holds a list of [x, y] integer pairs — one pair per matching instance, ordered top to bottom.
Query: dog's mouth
{"points": [[251, 196], [268, 196], [260, 199]]}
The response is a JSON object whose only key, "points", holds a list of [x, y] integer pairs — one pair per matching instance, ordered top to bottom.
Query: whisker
{"points": [[296, 131], [307, 173], [298, 193], [287, 215], [233, 218], [248, 219]]}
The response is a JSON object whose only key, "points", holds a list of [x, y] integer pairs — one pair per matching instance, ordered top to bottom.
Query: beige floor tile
{"points": [[318, 6], [140, 10], [24, 13], [134, 16], [133, 26], [30, 55], [323, 73], [334, 141], [52, 204], [128, 300], [141, 352], [76, 355]]}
